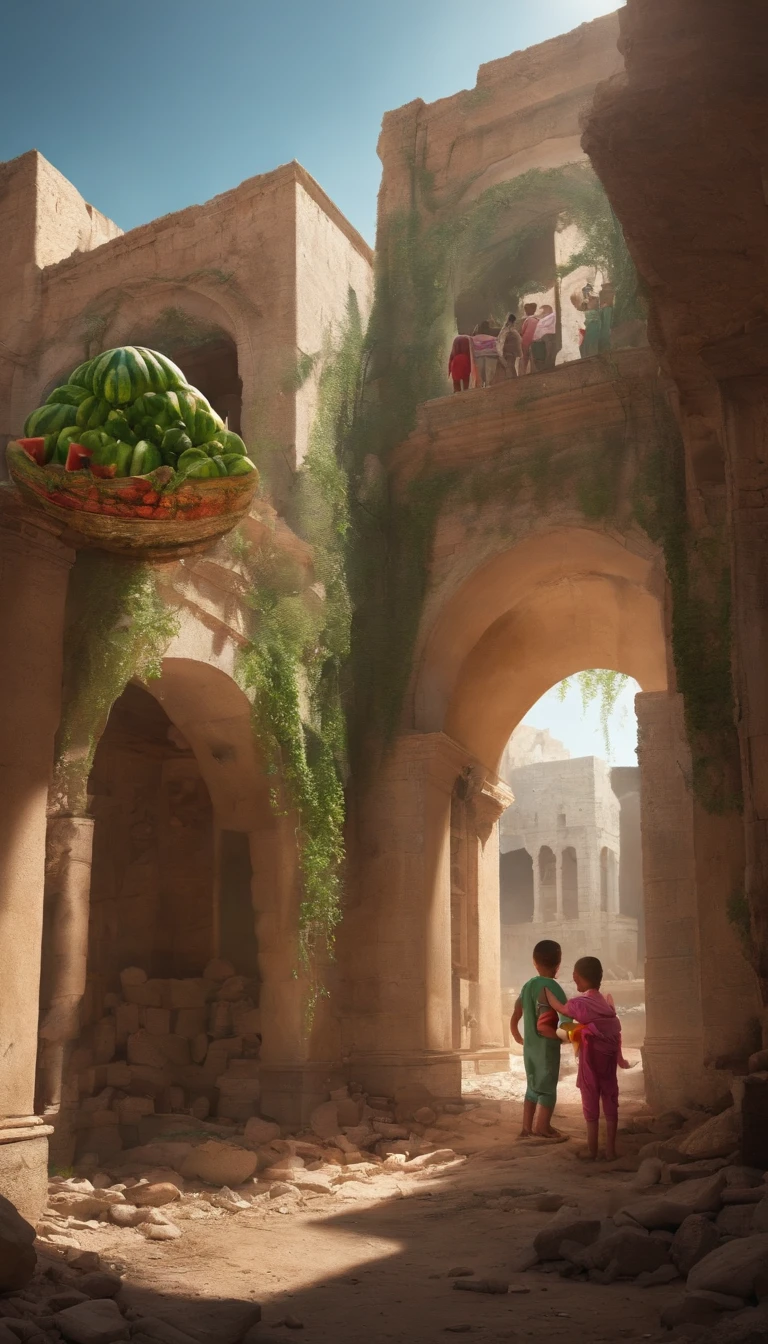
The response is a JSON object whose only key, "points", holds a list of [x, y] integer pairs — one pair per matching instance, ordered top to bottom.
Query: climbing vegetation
{"points": [[117, 628], [601, 685]]}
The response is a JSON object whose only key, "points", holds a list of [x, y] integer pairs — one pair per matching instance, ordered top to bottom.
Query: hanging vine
{"points": [[597, 684]]}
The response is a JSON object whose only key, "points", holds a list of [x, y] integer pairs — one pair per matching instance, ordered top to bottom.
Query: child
{"points": [[460, 363], [541, 1047], [599, 1052]]}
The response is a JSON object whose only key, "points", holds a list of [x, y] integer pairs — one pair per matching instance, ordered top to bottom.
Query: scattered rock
{"points": [[758, 1062], [425, 1116], [324, 1120], [258, 1132], [717, 1137], [434, 1159], [219, 1163], [691, 1171], [648, 1174], [743, 1178], [280, 1189], [749, 1195], [152, 1196], [227, 1199], [127, 1215], [760, 1218], [735, 1220], [564, 1227], [160, 1231], [695, 1238], [625, 1252], [17, 1253], [87, 1261], [739, 1268], [658, 1277], [101, 1283], [70, 1298], [720, 1301], [688, 1311], [97, 1322], [151, 1330]]}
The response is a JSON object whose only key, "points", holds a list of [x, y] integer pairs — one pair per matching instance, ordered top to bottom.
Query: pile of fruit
{"points": [[128, 412]]}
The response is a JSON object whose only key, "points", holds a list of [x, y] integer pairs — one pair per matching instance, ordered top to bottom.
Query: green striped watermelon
{"points": [[163, 372], [121, 375], [82, 376], [68, 395], [92, 412], [49, 419], [230, 442]]}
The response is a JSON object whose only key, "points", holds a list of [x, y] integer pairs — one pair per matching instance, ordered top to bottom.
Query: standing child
{"points": [[460, 363], [541, 1046], [599, 1052]]}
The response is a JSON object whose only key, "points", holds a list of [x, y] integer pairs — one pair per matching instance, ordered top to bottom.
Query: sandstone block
{"points": [[218, 970], [133, 975], [233, 988], [186, 993], [149, 994], [219, 1020], [246, 1020], [126, 1021], [157, 1021], [190, 1022], [103, 1040], [199, 1047], [142, 1048], [218, 1056], [118, 1074], [147, 1080], [200, 1108], [131, 1109], [324, 1120], [387, 1131], [259, 1132], [717, 1137], [104, 1142], [438, 1158], [219, 1163], [743, 1178], [152, 1196], [127, 1215], [760, 1220], [564, 1227], [160, 1231], [696, 1237], [626, 1252], [17, 1254], [739, 1268], [100, 1283], [209, 1320], [98, 1322], [155, 1331]]}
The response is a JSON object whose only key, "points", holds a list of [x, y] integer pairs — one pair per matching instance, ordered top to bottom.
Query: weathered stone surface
{"points": [[186, 995], [324, 1120], [258, 1132], [717, 1137], [219, 1163], [693, 1171], [648, 1174], [743, 1178], [152, 1195], [702, 1196], [127, 1215], [760, 1219], [736, 1220], [564, 1227], [160, 1231], [695, 1238], [627, 1252], [17, 1254], [739, 1268], [658, 1277], [100, 1283], [218, 1321], [97, 1322], [152, 1329]]}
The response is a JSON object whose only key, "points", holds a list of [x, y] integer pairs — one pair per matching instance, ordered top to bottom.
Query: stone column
{"points": [[34, 569], [489, 804], [69, 848], [558, 853], [395, 942], [674, 1044]]}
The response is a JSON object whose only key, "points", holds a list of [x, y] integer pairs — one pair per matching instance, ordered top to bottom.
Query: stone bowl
{"points": [[138, 516]]}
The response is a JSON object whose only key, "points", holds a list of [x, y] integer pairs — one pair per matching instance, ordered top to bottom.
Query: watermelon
{"points": [[165, 374], [121, 375], [82, 376], [68, 395], [202, 400], [92, 412], [49, 419], [117, 427], [203, 428], [148, 429], [70, 434], [94, 438], [176, 441], [230, 442], [34, 448], [50, 448], [191, 455], [78, 458], [145, 458], [112, 459], [218, 462], [243, 466], [204, 469]]}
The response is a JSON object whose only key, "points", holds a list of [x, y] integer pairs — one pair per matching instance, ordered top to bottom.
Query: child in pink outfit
{"points": [[599, 1054]]}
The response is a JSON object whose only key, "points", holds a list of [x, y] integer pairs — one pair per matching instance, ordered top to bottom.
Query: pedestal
{"points": [[34, 569]]}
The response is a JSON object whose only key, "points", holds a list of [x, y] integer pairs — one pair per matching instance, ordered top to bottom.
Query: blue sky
{"points": [[158, 104], [580, 731]]}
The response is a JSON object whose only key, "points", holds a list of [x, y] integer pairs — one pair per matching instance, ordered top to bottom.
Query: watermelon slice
{"points": [[35, 448], [78, 457]]}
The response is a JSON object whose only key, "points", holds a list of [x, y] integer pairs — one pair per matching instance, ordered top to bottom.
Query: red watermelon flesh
{"points": [[35, 448], [78, 457]]}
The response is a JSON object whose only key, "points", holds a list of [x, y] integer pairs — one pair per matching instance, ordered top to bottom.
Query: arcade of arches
{"points": [[154, 931]]}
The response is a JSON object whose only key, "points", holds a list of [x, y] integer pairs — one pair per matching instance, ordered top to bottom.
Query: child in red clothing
{"points": [[460, 363]]}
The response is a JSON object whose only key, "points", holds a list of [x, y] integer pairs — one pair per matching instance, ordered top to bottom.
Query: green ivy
{"points": [[117, 628], [293, 666], [599, 684]]}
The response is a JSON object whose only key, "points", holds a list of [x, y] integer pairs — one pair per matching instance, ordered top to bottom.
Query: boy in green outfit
{"points": [[541, 1047]]}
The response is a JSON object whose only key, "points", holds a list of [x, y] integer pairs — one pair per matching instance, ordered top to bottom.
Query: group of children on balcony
{"points": [[492, 355], [590, 1022]]}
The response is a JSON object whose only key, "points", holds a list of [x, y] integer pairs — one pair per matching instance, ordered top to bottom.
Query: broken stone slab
{"points": [[187, 995], [389, 1131], [259, 1132], [717, 1137], [659, 1148], [437, 1158], [219, 1163], [648, 1174], [743, 1178], [749, 1195], [153, 1196], [669, 1211], [736, 1220], [564, 1227], [160, 1231], [695, 1238], [17, 1253], [739, 1268], [720, 1301], [209, 1321], [96, 1322], [151, 1329]]}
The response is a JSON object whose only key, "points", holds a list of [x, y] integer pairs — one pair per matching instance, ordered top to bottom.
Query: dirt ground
{"points": [[373, 1262]]}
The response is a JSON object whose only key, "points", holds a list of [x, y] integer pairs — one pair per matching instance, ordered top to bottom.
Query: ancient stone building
{"points": [[501, 540]]}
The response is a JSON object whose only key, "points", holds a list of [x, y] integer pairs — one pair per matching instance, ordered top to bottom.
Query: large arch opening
{"points": [[204, 350], [187, 853]]}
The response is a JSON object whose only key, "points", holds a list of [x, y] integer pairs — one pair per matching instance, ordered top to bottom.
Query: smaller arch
{"points": [[547, 864], [570, 883], [516, 887]]}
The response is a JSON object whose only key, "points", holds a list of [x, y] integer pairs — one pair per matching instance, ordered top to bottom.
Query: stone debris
{"points": [[717, 1137], [695, 1238], [17, 1253], [96, 1322]]}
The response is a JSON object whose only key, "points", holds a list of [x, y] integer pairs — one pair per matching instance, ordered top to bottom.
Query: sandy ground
{"points": [[374, 1267]]}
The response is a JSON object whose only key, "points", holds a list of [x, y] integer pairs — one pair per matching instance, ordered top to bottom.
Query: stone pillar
{"points": [[34, 569], [489, 804], [69, 848], [558, 853], [395, 941], [674, 1045]]}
